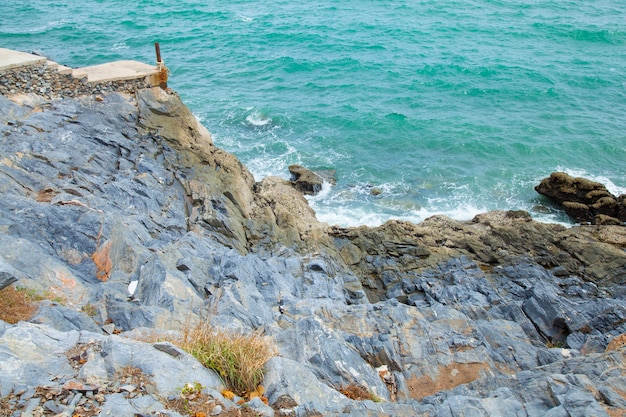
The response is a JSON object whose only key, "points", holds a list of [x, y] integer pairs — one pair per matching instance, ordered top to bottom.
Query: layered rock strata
{"points": [[502, 315]]}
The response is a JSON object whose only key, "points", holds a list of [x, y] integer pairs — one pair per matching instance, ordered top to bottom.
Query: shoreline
{"points": [[108, 192]]}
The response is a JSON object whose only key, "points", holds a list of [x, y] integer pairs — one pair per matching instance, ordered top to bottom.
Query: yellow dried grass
{"points": [[16, 304], [239, 359]]}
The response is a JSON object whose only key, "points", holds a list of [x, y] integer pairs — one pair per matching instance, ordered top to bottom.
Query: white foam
{"points": [[119, 45], [199, 118], [257, 118], [322, 194], [372, 215]]}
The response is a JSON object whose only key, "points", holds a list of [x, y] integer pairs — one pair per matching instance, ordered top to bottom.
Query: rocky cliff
{"points": [[498, 316]]}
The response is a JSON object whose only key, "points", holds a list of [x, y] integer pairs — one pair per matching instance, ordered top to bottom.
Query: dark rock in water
{"points": [[305, 180], [561, 187], [584, 200], [578, 211]]}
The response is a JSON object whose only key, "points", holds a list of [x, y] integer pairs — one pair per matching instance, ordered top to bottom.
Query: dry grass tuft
{"points": [[16, 304], [238, 359], [357, 392]]}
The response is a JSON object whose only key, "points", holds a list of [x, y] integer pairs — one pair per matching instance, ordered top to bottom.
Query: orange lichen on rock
{"points": [[102, 258], [616, 343], [448, 377], [258, 393], [229, 395]]}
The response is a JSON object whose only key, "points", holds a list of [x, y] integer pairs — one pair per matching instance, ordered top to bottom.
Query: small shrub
{"points": [[36, 295], [16, 304], [90, 310], [552, 344], [238, 359]]}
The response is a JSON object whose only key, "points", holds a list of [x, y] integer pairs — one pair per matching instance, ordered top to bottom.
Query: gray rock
{"points": [[109, 192], [7, 274], [64, 318], [328, 356], [289, 377], [610, 397], [503, 402], [148, 404], [117, 405], [259, 407]]}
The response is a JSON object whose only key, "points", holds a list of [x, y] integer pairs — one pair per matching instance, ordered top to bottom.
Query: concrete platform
{"points": [[10, 59], [61, 69], [111, 71], [115, 71]]}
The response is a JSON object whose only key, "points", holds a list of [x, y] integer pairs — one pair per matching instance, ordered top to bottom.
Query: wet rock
{"points": [[305, 180], [561, 187], [582, 199], [578, 211]]}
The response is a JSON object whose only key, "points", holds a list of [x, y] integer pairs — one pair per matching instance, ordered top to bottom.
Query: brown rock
{"points": [[305, 180], [560, 187], [582, 199], [605, 205], [621, 207], [578, 211], [604, 220]]}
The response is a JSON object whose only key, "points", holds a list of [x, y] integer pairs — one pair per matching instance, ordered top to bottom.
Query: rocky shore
{"points": [[499, 316]]}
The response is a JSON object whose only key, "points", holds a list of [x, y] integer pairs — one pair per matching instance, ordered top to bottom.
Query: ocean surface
{"points": [[421, 107]]}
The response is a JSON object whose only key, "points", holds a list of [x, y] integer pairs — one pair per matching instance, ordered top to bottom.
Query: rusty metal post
{"points": [[158, 52], [163, 71]]}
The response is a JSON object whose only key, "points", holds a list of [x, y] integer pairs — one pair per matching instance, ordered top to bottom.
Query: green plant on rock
{"points": [[33, 295], [90, 310], [551, 344], [192, 389]]}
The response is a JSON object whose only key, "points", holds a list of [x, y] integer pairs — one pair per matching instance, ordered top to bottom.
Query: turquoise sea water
{"points": [[452, 107]]}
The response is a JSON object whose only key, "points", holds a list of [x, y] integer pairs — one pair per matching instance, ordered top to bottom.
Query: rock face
{"points": [[584, 200], [498, 316]]}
